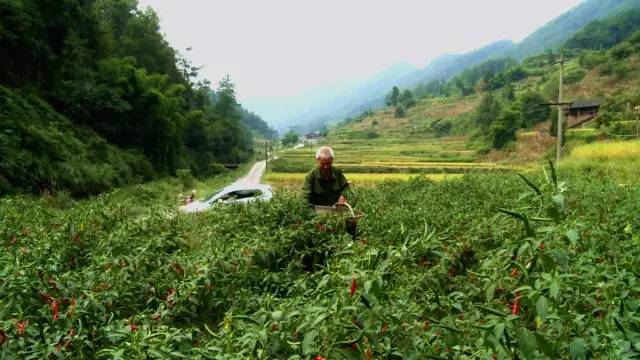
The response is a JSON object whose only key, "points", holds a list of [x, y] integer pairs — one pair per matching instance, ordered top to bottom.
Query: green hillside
{"points": [[92, 96], [491, 102]]}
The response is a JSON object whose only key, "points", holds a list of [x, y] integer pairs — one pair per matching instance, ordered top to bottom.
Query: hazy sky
{"points": [[280, 48]]}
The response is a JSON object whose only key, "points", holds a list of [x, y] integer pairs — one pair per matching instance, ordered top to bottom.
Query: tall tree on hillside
{"points": [[393, 97], [407, 99], [530, 109], [486, 113], [503, 129], [290, 138]]}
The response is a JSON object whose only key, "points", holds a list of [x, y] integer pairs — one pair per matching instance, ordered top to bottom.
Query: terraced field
{"points": [[376, 160]]}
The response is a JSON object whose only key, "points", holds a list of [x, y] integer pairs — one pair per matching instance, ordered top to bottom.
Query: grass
{"points": [[619, 160]]}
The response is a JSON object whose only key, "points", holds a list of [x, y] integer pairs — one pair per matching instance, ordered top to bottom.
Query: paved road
{"points": [[254, 175]]}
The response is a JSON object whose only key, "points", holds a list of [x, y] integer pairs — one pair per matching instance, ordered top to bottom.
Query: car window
{"points": [[242, 194], [210, 196]]}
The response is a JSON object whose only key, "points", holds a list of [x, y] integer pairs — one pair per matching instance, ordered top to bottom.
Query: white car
{"points": [[232, 194]]}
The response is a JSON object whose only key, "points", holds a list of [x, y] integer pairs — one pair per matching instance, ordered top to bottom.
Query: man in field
{"points": [[325, 185]]}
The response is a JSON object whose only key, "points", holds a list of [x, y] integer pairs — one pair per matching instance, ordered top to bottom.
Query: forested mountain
{"points": [[557, 31], [603, 34], [549, 37], [92, 96], [491, 101], [326, 103], [316, 108]]}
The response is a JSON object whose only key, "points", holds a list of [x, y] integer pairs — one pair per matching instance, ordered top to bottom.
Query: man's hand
{"points": [[342, 200]]}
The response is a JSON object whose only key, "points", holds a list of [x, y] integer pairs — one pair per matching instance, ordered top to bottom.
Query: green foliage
{"points": [[560, 29], [604, 34], [591, 59], [107, 69], [574, 76], [393, 97], [407, 99], [530, 108], [399, 111], [486, 113], [440, 127], [503, 129], [372, 134], [290, 138], [42, 150], [186, 178], [231, 283]]}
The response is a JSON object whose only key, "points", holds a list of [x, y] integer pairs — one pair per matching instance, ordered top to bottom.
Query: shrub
{"points": [[574, 76], [216, 169], [186, 178]]}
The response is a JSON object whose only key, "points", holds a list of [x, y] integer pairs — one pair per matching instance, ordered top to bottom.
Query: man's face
{"points": [[324, 164]]}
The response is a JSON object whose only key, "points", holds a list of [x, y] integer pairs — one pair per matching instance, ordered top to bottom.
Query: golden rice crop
{"points": [[613, 150]]}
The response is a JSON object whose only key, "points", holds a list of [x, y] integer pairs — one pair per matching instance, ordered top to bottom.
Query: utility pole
{"points": [[560, 112], [266, 155]]}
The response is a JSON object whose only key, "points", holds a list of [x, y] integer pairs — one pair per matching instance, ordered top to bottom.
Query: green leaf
{"points": [[553, 174], [531, 185], [558, 201], [573, 236], [561, 259], [489, 292], [542, 307], [276, 315], [319, 319], [498, 330], [526, 341], [308, 343], [547, 347], [578, 348]]}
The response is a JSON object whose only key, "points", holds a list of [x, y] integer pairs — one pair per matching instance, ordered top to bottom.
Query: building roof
{"points": [[585, 103]]}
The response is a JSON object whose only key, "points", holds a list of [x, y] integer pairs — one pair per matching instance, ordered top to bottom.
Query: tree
{"points": [[393, 97], [407, 99], [127, 105], [530, 109], [399, 111], [486, 113], [503, 129], [290, 138]]}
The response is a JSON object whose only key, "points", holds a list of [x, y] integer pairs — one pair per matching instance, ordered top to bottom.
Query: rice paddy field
{"points": [[376, 160], [619, 160]]}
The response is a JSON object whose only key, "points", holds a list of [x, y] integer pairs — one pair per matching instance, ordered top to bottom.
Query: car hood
{"points": [[195, 206]]}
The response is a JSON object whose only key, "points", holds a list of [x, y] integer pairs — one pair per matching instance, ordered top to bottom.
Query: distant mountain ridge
{"points": [[553, 34], [303, 114]]}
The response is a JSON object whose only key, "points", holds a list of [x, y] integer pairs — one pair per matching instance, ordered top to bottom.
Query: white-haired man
{"points": [[325, 184]]}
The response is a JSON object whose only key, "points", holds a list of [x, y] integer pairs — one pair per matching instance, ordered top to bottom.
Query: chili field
{"points": [[483, 266]]}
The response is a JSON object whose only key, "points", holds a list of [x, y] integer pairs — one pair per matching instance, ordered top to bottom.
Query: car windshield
{"points": [[210, 196]]}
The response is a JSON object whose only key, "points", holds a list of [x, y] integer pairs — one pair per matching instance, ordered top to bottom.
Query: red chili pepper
{"points": [[541, 246], [514, 272], [354, 286], [55, 308], [515, 308], [425, 325], [22, 326], [133, 327], [320, 357], [494, 357]]}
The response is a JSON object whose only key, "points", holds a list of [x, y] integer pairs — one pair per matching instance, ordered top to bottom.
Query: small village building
{"points": [[580, 112], [313, 138]]}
